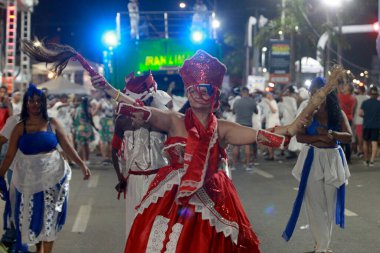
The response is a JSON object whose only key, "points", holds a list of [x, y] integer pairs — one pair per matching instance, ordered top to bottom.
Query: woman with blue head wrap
{"points": [[322, 170], [41, 176]]}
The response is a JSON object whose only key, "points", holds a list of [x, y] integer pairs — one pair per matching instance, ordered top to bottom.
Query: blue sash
{"points": [[339, 214]]}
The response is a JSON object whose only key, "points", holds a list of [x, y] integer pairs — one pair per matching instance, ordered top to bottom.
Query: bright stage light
{"points": [[332, 3], [335, 3], [182, 5], [215, 23], [197, 36], [110, 39]]}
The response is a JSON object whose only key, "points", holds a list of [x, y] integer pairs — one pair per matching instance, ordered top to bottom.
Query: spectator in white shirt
{"points": [[272, 118]]}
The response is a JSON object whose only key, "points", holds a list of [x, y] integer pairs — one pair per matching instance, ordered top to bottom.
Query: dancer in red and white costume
{"points": [[142, 145], [192, 205]]}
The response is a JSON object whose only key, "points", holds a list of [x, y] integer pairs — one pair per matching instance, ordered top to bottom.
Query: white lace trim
{"points": [[173, 145], [173, 178], [204, 205], [157, 235], [173, 238]]}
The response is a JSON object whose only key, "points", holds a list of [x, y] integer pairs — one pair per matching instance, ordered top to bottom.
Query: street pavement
{"points": [[96, 219]]}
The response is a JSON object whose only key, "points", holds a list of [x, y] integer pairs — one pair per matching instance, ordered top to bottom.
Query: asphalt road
{"points": [[96, 221]]}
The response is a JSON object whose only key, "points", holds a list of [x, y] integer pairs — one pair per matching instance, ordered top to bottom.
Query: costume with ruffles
{"points": [[192, 205]]}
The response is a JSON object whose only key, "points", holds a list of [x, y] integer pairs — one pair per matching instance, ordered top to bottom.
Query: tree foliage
{"points": [[296, 21], [233, 54]]}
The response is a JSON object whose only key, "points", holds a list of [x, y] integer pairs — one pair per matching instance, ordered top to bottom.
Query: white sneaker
{"points": [[371, 164], [232, 168], [247, 168]]}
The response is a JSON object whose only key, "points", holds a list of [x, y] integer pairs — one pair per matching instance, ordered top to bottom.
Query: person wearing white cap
{"points": [[16, 102]]}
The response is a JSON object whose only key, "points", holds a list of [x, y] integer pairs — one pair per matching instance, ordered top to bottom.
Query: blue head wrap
{"points": [[317, 83], [33, 90]]}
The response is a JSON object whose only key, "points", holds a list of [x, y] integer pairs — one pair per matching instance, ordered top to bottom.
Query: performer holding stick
{"points": [[192, 205]]}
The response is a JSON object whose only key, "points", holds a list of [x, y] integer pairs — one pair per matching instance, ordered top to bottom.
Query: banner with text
{"points": [[279, 61]]}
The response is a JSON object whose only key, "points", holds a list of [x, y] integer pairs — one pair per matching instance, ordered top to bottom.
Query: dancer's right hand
{"points": [[99, 82], [86, 172]]}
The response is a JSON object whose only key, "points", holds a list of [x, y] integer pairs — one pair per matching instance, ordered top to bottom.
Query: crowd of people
{"points": [[268, 109], [40, 138], [173, 166]]}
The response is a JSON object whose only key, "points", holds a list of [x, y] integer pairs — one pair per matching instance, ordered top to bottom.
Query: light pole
{"points": [[283, 5], [336, 5]]}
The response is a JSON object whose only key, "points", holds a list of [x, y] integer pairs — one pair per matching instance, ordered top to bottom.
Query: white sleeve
{"points": [[9, 126]]}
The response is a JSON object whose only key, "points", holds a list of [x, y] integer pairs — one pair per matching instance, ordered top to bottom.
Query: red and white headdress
{"points": [[202, 68], [139, 87], [143, 87]]}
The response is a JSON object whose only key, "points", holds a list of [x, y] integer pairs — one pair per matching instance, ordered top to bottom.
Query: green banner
{"points": [[154, 55]]}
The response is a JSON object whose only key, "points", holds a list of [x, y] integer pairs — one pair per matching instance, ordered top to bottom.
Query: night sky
{"points": [[81, 23]]}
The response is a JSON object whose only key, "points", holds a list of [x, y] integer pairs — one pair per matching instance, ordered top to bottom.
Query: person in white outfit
{"points": [[134, 16], [200, 17], [360, 97], [16, 102], [288, 109], [272, 118], [142, 145], [322, 171]]}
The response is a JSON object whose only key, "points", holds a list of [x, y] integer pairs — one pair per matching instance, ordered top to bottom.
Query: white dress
{"points": [[272, 119], [141, 158], [40, 187]]}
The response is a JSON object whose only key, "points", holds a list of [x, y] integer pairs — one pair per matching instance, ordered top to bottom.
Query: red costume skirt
{"points": [[4, 115], [212, 221]]}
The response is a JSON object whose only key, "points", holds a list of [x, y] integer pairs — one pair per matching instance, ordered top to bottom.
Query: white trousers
{"points": [[136, 189], [320, 202]]}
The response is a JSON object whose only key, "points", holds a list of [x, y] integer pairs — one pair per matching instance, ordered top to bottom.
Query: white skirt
{"points": [[327, 164], [41, 188]]}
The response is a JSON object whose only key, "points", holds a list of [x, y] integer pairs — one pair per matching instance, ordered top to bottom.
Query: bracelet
{"points": [[117, 95]]}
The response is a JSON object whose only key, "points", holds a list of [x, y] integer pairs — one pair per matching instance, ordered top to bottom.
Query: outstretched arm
{"points": [[337, 75], [155, 117], [235, 134], [68, 149]]}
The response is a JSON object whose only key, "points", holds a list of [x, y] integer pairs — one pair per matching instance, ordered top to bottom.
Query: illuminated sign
{"points": [[280, 49], [165, 55], [279, 59], [157, 62]]}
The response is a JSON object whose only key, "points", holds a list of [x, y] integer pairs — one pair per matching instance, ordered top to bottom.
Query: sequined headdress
{"points": [[202, 68]]}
